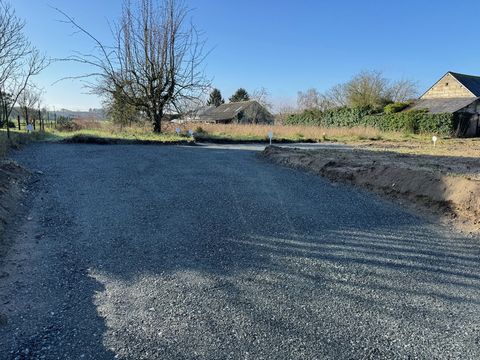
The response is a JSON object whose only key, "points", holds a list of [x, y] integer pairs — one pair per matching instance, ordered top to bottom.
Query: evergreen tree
{"points": [[240, 95], [215, 98], [118, 108]]}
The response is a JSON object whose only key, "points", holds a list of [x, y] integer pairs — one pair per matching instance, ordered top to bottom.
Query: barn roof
{"points": [[472, 83], [444, 105], [227, 111]]}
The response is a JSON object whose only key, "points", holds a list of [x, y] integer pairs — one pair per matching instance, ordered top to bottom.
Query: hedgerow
{"points": [[338, 117], [409, 121], [413, 121]]}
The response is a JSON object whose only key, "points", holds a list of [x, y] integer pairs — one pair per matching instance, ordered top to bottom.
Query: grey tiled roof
{"points": [[471, 82], [445, 105], [227, 111]]}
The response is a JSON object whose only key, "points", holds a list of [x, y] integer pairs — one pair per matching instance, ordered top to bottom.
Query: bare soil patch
{"points": [[445, 147], [12, 178], [445, 186]]}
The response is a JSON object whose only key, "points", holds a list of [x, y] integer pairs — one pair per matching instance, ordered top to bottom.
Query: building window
{"points": [[446, 84]]}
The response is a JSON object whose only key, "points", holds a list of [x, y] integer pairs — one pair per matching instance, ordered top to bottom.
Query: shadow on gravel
{"points": [[213, 252]]}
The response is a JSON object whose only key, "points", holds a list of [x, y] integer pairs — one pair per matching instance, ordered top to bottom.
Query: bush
{"points": [[395, 107], [338, 117], [409, 121], [414, 121], [64, 124], [199, 130]]}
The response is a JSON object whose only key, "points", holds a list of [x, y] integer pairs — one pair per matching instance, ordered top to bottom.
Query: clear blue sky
{"points": [[284, 46]]}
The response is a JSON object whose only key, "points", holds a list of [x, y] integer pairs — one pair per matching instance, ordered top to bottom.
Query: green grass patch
{"points": [[101, 136]]}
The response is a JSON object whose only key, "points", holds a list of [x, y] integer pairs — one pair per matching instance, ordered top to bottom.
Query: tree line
{"points": [[19, 62]]}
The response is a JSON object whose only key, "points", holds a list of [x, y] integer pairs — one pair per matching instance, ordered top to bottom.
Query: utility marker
{"points": [[270, 136], [434, 139]]}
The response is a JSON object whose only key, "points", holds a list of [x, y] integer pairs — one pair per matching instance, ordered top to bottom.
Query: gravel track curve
{"points": [[170, 252]]}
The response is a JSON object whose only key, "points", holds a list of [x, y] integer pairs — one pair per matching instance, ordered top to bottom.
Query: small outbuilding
{"points": [[456, 94], [244, 112]]}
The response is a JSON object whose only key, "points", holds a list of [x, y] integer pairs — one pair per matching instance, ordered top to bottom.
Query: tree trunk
{"points": [[18, 122], [157, 122], [42, 127]]}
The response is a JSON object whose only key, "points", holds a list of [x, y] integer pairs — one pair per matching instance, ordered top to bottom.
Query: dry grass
{"points": [[295, 133], [17, 139], [462, 148]]}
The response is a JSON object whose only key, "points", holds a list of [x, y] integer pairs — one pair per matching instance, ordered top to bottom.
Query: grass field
{"points": [[290, 133], [362, 137]]}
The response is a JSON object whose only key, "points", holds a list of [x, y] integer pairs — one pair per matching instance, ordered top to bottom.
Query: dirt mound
{"points": [[12, 177], [446, 186]]}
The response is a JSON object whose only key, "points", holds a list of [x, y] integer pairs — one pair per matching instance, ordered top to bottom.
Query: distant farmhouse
{"points": [[456, 94], [244, 112]]}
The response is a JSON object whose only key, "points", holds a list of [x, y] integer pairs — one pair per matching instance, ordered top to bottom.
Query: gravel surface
{"points": [[164, 252]]}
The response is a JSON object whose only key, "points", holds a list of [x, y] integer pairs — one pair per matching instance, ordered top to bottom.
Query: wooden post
{"points": [[18, 122]]}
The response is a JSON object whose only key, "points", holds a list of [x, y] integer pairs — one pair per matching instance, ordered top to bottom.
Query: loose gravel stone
{"points": [[170, 252]]}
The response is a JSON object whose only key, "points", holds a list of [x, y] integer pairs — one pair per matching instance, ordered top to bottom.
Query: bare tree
{"points": [[19, 60], [156, 60], [403, 90], [262, 96], [336, 96], [310, 99], [28, 101], [283, 111]]}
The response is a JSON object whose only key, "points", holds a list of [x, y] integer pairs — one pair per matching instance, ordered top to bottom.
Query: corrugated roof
{"points": [[471, 82], [445, 105]]}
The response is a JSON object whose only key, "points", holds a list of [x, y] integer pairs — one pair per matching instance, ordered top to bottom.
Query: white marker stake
{"points": [[270, 136], [434, 139]]}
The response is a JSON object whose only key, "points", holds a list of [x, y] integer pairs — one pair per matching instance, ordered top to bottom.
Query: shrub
{"points": [[395, 107], [338, 117], [409, 121], [414, 121], [65, 124]]}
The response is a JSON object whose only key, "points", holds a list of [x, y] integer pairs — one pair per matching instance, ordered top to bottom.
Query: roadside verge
{"points": [[12, 178], [445, 186]]}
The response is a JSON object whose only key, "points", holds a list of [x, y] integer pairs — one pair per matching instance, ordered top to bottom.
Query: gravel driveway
{"points": [[151, 252]]}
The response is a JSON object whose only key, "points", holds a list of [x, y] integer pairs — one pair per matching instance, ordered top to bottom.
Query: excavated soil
{"points": [[12, 179], [445, 186]]}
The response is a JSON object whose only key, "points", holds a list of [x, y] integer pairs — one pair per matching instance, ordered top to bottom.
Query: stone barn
{"points": [[456, 94], [244, 112]]}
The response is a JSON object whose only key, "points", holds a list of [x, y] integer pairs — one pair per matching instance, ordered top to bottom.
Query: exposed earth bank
{"points": [[12, 178], [446, 186]]}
